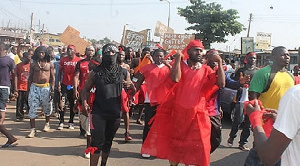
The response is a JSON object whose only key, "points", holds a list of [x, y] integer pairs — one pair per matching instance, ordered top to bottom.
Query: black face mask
{"points": [[109, 60]]}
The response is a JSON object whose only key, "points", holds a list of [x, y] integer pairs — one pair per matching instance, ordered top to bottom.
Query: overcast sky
{"points": [[106, 18]]}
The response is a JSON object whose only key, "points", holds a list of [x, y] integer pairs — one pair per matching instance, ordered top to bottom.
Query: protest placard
{"points": [[71, 36], [134, 39], [176, 41]]}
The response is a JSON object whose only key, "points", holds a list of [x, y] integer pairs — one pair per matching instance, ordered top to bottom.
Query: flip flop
{"points": [[9, 145]]}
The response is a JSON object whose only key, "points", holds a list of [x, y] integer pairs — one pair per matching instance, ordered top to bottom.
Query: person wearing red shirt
{"points": [[82, 71], [154, 75], [21, 76], [65, 87], [181, 128]]}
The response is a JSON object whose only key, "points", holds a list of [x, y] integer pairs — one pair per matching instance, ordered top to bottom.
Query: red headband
{"points": [[193, 43], [73, 47], [248, 55], [94, 62]]}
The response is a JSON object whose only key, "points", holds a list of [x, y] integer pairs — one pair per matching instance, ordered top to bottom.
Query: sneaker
{"points": [[19, 119], [60, 126], [71, 126], [46, 127], [32, 133], [127, 137], [230, 142], [244, 147], [87, 155], [146, 155]]}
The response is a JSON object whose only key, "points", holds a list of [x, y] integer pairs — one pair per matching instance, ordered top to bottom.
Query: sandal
{"points": [[139, 122], [9, 145]]}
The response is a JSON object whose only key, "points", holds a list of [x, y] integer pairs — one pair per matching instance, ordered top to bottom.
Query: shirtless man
{"points": [[41, 85], [125, 98]]}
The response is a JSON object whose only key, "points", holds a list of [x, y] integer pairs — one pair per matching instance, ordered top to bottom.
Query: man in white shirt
{"points": [[284, 140]]}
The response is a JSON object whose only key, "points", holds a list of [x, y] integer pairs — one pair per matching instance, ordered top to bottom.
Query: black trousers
{"points": [[67, 94], [21, 101], [149, 113], [104, 132], [216, 132]]}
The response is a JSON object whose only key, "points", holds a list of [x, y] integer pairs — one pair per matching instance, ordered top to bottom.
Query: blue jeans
{"points": [[4, 95], [237, 120]]}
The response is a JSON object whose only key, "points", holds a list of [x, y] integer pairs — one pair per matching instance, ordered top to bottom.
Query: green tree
{"points": [[210, 21], [93, 41], [105, 41]]}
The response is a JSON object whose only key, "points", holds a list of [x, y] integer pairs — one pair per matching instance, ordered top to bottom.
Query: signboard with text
{"points": [[161, 29], [134, 39], [263, 40], [176, 41], [247, 45]]}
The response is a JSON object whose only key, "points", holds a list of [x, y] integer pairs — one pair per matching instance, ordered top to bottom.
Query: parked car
{"points": [[227, 99]]}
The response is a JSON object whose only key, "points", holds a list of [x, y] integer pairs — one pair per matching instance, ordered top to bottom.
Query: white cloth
{"points": [[11, 55], [288, 123]]}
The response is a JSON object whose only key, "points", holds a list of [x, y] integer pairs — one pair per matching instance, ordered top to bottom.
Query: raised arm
{"points": [[176, 70]]}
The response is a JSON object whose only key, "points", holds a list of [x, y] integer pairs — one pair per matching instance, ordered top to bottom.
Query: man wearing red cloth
{"points": [[154, 75], [181, 128]]}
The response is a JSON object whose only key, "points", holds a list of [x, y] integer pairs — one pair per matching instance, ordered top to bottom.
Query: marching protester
{"points": [[136, 65], [7, 67], [248, 70], [82, 71], [153, 74], [21, 77], [108, 79], [268, 85], [65, 86], [41, 87], [125, 97], [181, 130]]}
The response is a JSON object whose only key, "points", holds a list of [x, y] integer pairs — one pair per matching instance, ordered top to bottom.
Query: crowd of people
{"points": [[178, 94]]}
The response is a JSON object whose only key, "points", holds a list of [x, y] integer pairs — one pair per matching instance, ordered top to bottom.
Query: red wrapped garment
{"points": [[157, 82], [124, 100], [181, 128]]}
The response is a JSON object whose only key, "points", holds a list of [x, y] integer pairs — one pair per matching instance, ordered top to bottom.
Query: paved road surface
{"points": [[65, 148]]}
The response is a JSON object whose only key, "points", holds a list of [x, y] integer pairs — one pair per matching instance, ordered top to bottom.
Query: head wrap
{"points": [[193, 43], [73, 47], [109, 48], [99, 52], [248, 55], [109, 70]]}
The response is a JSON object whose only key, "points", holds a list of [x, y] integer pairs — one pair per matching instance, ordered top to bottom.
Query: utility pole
{"points": [[250, 19], [31, 22], [124, 33]]}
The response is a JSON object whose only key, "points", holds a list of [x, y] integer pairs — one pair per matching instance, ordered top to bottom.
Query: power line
{"points": [[99, 4]]}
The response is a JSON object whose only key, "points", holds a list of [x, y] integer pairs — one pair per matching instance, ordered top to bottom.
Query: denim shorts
{"points": [[4, 95], [39, 96]]}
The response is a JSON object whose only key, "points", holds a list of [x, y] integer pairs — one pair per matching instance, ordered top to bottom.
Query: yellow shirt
{"points": [[17, 60], [281, 83]]}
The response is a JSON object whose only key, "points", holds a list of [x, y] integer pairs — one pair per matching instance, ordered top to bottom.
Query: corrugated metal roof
{"points": [[11, 34]]}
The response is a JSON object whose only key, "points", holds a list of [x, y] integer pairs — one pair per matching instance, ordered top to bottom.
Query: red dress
{"points": [[181, 127]]}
